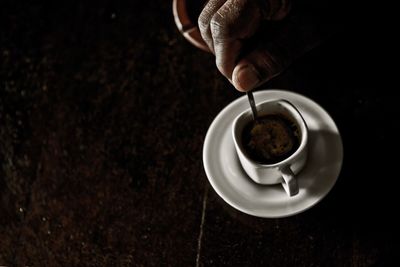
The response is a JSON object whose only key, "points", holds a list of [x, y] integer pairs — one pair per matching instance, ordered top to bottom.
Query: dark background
{"points": [[103, 112]]}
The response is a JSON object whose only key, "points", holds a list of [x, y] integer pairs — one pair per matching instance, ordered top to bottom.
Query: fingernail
{"points": [[246, 77]]}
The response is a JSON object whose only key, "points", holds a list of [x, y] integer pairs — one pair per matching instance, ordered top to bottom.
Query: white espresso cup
{"points": [[283, 172]]}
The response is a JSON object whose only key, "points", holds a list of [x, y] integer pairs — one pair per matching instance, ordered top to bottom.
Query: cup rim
{"points": [[302, 125]]}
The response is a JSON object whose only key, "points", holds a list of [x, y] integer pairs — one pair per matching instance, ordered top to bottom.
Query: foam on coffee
{"points": [[270, 139]]}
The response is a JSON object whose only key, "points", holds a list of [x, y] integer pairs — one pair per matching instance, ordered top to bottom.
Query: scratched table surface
{"points": [[104, 108]]}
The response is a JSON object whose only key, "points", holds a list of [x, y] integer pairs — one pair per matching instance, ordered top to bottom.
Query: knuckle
{"points": [[203, 20], [219, 26], [221, 66]]}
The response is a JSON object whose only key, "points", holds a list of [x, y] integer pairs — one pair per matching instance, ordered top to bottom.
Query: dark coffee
{"points": [[271, 138]]}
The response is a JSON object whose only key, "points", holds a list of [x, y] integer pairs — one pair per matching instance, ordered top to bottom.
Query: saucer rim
{"points": [[227, 109]]}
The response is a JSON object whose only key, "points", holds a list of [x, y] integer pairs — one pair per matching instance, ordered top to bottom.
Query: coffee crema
{"points": [[271, 138]]}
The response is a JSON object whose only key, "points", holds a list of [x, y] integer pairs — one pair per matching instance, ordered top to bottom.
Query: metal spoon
{"points": [[252, 104]]}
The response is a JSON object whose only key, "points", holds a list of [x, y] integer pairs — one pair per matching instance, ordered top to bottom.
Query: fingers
{"points": [[204, 20], [234, 22], [225, 26], [274, 54], [257, 67]]}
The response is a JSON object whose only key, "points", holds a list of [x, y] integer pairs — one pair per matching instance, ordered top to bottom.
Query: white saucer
{"points": [[232, 184]]}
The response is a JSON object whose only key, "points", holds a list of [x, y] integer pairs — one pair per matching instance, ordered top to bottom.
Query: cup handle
{"points": [[289, 182]]}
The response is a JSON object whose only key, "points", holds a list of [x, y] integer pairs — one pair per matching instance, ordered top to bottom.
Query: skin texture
{"points": [[229, 26]]}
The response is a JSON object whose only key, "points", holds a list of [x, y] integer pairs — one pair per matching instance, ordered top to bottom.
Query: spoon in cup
{"points": [[252, 104]]}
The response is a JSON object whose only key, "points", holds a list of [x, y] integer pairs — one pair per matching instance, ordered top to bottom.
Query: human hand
{"points": [[228, 26]]}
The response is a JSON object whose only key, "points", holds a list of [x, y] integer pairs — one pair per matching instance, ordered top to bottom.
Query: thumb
{"points": [[277, 51], [256, 68]]}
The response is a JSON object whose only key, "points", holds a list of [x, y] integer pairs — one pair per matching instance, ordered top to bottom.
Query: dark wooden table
{"points": [[103, 112]]}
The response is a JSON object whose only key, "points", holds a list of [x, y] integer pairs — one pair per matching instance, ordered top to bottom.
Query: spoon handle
{"points": [[252, 104]]}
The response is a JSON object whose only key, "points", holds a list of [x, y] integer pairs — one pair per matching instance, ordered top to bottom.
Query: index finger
{"points": [[205, 17], [234, 22]]}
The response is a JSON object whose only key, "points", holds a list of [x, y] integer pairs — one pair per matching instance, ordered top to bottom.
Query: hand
{"points": [[228, 26]]}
